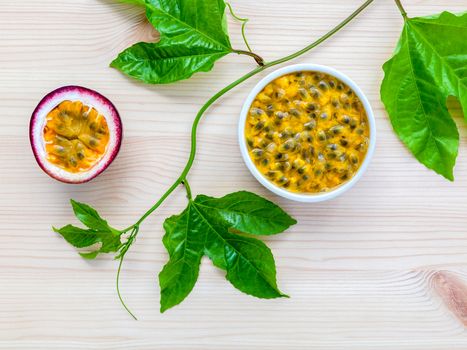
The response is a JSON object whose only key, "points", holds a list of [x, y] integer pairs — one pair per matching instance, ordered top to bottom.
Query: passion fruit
{"points": [[75, 134]]}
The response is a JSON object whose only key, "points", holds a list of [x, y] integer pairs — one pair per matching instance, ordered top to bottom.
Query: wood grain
{"points": [[363, 270]]}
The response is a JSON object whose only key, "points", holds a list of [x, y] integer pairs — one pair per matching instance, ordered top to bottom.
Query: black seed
{"points": [[317, 76], [332, 84], [323, 85], [340, 86], [303, 92], [314, 92], [335, 103], [311, 106], [356, 106], [256, 111], [295, 112], [280, 115], [346, 119], [353, 124], [259, 125], [310, 125], [93, 126], [337, 129], [359, 131], [321, 135], [249, 141], [92, 142], [344, 142], [332, 146], [312, 151], [257, 153], [80, 155], [331, 155], [279, 156], [354, 159], [73, 161], [265, 161], [328, 166], [302, 170], [318, 172], [271, 174], [305, 177], [283, 180]]}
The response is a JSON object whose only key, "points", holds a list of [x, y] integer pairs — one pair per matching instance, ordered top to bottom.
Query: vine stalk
{"points": [[401, 9], [182, 178]]}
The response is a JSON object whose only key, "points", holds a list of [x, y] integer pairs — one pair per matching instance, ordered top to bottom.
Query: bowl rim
{"points": [[295, 196]]}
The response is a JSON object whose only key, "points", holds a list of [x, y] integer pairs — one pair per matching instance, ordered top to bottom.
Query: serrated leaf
{"points": [[193, 36], [428, 66], [247, 212], [197, 231]]}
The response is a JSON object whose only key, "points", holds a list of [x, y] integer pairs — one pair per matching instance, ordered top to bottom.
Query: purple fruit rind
{"points": [[64, 91]]}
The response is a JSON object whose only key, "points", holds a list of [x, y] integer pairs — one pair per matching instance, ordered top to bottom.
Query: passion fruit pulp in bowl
{"points": [[308, 132], [75, 134]]}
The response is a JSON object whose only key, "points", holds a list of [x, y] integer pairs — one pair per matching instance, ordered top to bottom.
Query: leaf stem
{"points": [[401, 9], [244, 22], [257, 58], [188, 189]]}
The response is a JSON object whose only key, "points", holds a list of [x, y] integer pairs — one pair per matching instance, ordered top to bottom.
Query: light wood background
{"points": [[382, 267]]}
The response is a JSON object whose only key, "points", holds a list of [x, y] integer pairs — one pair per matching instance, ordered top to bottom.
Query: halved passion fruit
{"points": [[75, 134]]}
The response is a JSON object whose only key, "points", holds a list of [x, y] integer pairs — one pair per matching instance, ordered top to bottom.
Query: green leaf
{"points": [[193, 36], [166, 62], [429, 64], [248, 212], [89, 216], [204, 228], [99, 232], [78, 237], [251, 267], [179, 275]]}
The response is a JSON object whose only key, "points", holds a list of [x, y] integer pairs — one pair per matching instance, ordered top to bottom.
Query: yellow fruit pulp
{"points": [[307, 132], [76, 136]]}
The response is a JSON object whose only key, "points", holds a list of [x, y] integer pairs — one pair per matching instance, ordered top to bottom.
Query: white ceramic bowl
{"points": [[306, 197]]}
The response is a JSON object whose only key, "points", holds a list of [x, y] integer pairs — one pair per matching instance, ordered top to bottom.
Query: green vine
{"points": [[182, 178]]}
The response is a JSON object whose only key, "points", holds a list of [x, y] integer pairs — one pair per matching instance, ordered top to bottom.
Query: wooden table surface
{"points": [[382, 267]]}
